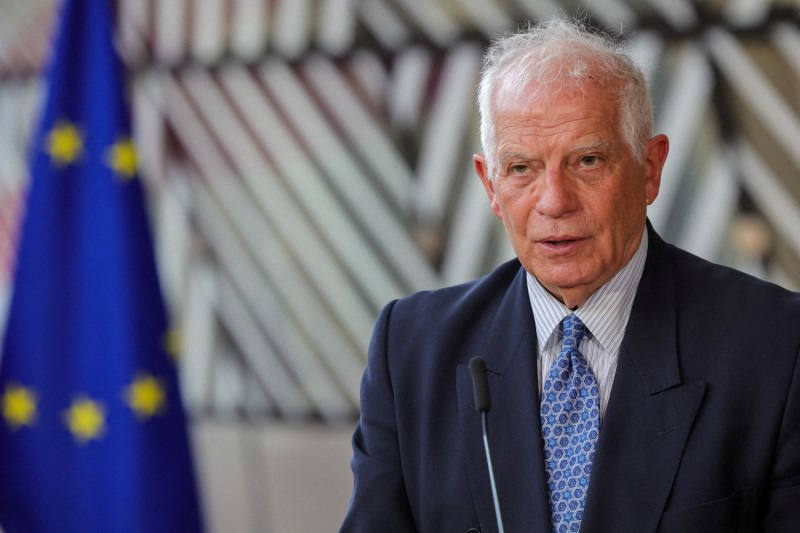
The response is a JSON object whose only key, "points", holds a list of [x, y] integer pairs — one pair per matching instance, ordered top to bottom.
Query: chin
{"points": [[566, 275], [563, 281]]}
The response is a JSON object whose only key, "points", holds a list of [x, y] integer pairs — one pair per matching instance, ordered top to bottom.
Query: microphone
{"points": [[480, 389]]}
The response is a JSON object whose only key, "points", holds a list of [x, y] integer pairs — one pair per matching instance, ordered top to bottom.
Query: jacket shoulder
{"points": [[723, 285], [450, 303], [444, 327]]}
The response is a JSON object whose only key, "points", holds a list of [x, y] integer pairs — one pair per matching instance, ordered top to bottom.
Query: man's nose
{"points": [[556, 197]]}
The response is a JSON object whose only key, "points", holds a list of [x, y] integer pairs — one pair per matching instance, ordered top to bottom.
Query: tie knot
{"points": [[574, 330]]}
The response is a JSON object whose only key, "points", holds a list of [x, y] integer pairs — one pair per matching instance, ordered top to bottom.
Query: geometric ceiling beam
{"points": [[538, 9], [678, 13], [739, 13], [611, 14], [488, 16], [432, 19], [132, 22], [337, 23], [383, 24], [249, 26], [209, 31], [292, 34], [169, 37], [786, 38], [21, 45], [647, 47], [370, 76], [752, 86], [28, 95], [405, 96], [17, 103], [679, 116], [149, 129], [366, 136], [279, 150], [204, 152], [441, 152], [13, 181], [355, 188], [774, 201], [278, 204], [712, 206], [213, 219], [333, 220], [172, 228], [471, 232], [175, 245], [246, 246], [188, 280], [194, 310], [289, 310], [198, 329], [300, 329], [284, 346], [254, 347], [256, 350]]}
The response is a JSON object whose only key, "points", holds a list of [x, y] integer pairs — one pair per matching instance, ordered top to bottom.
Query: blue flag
{"points": [[92, 434]]}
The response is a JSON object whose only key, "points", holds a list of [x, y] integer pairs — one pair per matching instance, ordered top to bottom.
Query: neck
{"points": [[571, 298]]}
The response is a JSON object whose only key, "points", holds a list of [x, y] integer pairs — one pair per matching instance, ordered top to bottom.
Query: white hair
{"points": [[555, 56]]}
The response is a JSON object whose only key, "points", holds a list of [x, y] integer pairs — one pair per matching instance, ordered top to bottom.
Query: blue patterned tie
{"points": [[570, 424]]}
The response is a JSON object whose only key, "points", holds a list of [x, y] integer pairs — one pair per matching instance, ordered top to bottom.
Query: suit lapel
{"points": [[650, 412], [513, 421], [647, 422]]}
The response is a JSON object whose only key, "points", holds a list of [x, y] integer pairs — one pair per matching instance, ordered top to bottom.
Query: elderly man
{"points": [[634, 387]]}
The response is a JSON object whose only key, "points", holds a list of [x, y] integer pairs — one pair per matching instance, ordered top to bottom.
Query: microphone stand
{"points": [[480, 388]]}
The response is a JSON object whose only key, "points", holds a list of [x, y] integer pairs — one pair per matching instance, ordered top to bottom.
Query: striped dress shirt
{"points": [[605, 314]]}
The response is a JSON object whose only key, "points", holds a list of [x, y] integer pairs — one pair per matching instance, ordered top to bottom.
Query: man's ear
{"points": [[656, 151], [482, 169]]}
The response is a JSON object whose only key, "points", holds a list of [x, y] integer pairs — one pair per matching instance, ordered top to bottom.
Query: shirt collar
{"points": [[605, 313]]}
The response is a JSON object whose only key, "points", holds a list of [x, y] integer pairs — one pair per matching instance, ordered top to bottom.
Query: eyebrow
{"points": [[597, 145], [602, 145], [512, 155]]}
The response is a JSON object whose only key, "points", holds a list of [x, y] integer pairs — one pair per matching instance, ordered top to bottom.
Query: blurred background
{"points": [[307, 161]]}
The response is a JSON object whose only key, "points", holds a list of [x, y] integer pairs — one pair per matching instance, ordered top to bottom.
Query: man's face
{"points": [[568, 189]]}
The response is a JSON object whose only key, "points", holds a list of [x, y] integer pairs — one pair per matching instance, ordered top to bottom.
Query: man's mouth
{"points": [[559, 240], [559, 244]]}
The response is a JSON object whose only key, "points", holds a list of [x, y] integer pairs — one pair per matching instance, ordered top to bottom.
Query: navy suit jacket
{"points": [[701, 433]]}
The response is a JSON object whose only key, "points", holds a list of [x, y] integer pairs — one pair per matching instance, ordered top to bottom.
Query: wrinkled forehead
{"points": [[540, 96]]}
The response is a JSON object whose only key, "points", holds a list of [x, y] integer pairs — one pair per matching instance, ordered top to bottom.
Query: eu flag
{"points": [[92, 434]]}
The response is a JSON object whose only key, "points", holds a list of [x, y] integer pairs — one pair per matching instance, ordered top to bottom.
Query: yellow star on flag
{"points": [[64, 143], [122, 159], [146, 396], [19, 406], [86, 419]]}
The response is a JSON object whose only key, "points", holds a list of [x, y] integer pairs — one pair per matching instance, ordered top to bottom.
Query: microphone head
{"points": [[480, 384]]}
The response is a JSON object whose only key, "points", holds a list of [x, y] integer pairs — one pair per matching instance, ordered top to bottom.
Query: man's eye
{"points": [[590, 160], [518, 169]]}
